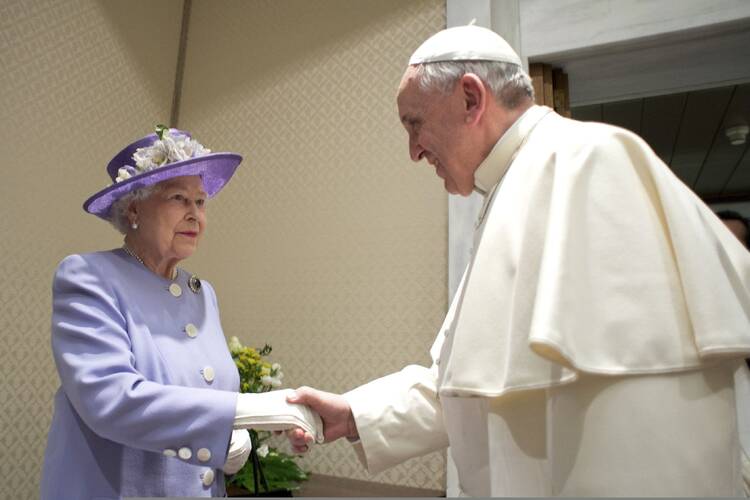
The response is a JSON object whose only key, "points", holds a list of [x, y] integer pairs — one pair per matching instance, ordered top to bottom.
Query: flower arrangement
{"points": [[168, 148], [278, 469]]}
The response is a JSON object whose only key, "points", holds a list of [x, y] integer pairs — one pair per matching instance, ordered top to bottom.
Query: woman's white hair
{"points": [[509, 83], [118, 215]]}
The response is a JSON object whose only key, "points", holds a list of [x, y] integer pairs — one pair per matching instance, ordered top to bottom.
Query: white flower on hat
{"points": [[170, 147], [124, 173]]}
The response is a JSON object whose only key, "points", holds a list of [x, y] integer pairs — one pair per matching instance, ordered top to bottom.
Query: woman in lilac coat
{"points": [[148, 390]]}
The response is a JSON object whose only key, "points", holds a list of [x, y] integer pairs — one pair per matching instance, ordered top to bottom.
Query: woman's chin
{"points": [[185, 251]]}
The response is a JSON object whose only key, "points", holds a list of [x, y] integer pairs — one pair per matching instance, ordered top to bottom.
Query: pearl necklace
{"points": [[133, 254]]}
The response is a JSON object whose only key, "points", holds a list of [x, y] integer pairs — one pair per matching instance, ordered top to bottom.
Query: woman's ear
{"points": [[475, 98], [132, 212]]}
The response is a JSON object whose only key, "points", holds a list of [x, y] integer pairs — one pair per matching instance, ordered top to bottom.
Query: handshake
{"points": [[307, 415]]}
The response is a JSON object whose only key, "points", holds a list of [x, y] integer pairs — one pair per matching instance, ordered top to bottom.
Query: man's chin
{"points": [[449, 187], [453, 189]]}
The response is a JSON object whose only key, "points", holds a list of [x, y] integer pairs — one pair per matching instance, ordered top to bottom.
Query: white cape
{"points": [[594, 259]]}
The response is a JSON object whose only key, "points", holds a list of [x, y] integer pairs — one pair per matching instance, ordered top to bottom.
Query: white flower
{"points": [[172, 147], [175, 148], [122, 174], [234, 344], [275, 366], [269, 380], [263, 450]]}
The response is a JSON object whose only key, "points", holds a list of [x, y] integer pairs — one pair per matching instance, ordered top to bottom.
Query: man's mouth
{"points": [[439, 171]]}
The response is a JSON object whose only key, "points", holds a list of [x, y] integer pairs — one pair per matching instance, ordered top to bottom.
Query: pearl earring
{"points": [[134, 225]]}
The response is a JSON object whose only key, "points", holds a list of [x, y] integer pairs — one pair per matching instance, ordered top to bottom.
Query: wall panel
{"points": [[79, 79], [329, 244]]}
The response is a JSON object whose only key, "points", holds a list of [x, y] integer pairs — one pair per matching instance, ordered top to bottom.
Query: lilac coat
{"points": [[135, 387]]}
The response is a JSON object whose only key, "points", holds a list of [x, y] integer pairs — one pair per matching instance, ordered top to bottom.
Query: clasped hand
{"points": [[334, 411]]}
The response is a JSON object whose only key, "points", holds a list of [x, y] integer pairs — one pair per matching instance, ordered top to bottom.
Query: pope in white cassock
{"points": [[591, 346]]}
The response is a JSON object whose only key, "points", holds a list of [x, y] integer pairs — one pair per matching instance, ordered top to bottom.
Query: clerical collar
{"points": [[496, 164]]}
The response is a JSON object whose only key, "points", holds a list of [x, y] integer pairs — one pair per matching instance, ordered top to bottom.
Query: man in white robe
{"points": [[591, 345]]}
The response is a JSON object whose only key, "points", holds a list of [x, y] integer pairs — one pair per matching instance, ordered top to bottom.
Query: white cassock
{"points": [[591, 346]]}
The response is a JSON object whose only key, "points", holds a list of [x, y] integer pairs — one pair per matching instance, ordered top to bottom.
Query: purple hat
{"points": [[157, 157]]}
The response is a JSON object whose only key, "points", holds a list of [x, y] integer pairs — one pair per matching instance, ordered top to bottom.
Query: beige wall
{"points": [[77, 79], [329, 244]]}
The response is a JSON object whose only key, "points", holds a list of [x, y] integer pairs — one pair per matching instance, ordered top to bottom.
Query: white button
{"points": [[175, 289], [191, 330], [208, 374], [170, 453], [185, 453], [204, 454], [208, 477]]}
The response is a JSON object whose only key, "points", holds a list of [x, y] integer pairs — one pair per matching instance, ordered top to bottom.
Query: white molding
{"points": [[502, 16], [566, 26], [615, 50]]}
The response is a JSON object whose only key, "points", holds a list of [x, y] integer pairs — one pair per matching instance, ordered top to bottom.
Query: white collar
{"points": [[492, 169]]}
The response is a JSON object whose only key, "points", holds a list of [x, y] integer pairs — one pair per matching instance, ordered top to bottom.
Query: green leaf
{"points": [[160, 129], [265, 350], [279, 469]]}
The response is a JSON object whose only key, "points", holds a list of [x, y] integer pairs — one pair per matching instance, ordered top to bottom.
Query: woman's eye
{"points": [[178, 197], [200, 202]]}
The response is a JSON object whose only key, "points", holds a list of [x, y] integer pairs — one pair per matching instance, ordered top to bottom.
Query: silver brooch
{"points": [[194, 283]]}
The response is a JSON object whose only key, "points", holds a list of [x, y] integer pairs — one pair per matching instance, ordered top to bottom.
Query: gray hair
{"points": [[509, 83], [118, 214]]}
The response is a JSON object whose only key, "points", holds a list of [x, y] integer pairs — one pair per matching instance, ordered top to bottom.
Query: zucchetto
{"points": [[465, 43]]}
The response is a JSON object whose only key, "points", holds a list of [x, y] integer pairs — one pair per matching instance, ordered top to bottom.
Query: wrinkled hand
{"points": [[333, 409], [270, 411], [239, 449]]}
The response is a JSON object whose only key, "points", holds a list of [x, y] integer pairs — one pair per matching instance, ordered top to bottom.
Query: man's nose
{"points": [[415, 150]]}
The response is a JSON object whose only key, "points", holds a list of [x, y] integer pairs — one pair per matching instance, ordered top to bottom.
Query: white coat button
{"points": [[175, 289], [191, 330], [208, 374], [170, 453], [185, 453], [204, 454], [208, 477]]}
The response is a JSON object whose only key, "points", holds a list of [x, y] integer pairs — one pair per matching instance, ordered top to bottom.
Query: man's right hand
{"points": [[333, 409]]}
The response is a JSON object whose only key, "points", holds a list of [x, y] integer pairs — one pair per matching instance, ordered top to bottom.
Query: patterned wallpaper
{"points": [[77, 80], [329, 244]]}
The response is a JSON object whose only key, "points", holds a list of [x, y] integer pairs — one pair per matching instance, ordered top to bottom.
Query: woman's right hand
{"points": [[240, 446]]}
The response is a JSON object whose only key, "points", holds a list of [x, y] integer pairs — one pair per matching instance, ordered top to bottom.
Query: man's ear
{"points": [[475, 98]]}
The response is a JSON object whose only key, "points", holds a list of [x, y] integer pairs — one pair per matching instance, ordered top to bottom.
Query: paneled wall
{"points": [[77, 79], [330, 244]]}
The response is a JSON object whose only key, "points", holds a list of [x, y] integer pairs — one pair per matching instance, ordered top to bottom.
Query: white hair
{"points": [[509, 83], [118, 214]]}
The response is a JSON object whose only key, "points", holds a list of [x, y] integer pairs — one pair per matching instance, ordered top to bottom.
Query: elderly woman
{"points": [[148, 398]]}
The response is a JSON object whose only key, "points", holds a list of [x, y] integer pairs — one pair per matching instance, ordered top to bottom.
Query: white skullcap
{"points": [[465, 43]]}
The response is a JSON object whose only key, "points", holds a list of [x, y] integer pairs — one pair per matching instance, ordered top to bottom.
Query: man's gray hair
{"points": [[509, 83], [118, 214]]}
